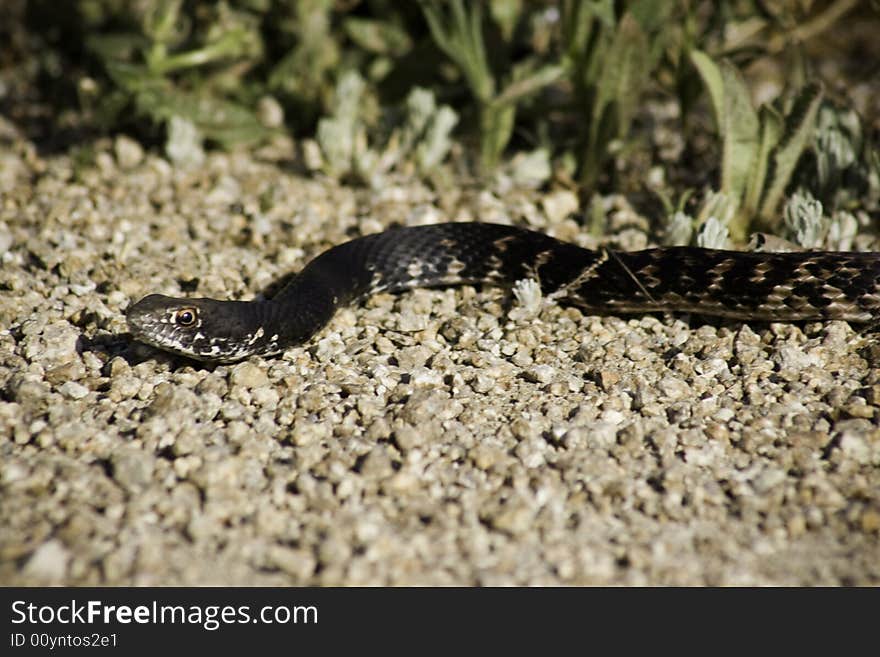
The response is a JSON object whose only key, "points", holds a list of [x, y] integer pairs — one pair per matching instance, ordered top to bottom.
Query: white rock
{"points": [[48, 563]]}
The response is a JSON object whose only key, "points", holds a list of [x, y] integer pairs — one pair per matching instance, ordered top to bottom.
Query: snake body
{"points": [[743, 285]]}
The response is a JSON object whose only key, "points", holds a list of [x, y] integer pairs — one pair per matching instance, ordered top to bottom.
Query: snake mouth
{"points": [[141, 316]]}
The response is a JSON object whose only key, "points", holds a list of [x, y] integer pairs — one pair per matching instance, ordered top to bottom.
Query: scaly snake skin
{"points": [[742, 285]]}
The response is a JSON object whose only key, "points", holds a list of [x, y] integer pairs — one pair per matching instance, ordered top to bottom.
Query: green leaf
{"points": [[506, 14], [650, 14], [577, 20], [378, 37], [461, 38], [234, 44], [115, 46], [625, 71], [711, 75], [132, 77], [529, 84], [222, 121], [799, 126], [496, 127], [739, 129], [771, 130], [739, 132], [432, 149]]}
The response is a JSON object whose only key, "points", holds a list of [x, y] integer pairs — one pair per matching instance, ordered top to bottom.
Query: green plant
{"points": [[774, 27], [458, 32], [609, 61], [303, 73], [162, 74], [342, 135], [760, 147], [346, 149], [841, 166], [804, 221], [713, 234]]}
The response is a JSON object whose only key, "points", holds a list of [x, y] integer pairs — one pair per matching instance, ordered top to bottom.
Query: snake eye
{"points": [[185, 317]]}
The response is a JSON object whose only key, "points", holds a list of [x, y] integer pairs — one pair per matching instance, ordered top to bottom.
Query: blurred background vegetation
{"points": [[775, 102]]}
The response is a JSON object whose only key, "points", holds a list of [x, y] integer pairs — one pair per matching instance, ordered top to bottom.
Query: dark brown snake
{"points": [[820, 285]]}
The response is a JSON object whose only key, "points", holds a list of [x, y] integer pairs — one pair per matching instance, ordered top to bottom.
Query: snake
{"points": [[742, 285]]}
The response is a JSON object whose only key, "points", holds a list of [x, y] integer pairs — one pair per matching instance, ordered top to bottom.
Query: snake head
{"points": [[203, 329]]}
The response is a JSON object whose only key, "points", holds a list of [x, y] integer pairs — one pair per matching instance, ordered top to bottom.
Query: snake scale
{"points": [[742, 285]]}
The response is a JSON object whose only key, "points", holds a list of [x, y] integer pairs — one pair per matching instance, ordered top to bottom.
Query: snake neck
{"points": [[300, 310]]}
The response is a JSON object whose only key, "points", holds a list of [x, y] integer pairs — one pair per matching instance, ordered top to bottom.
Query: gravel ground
{"points": [[436, 437]]}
